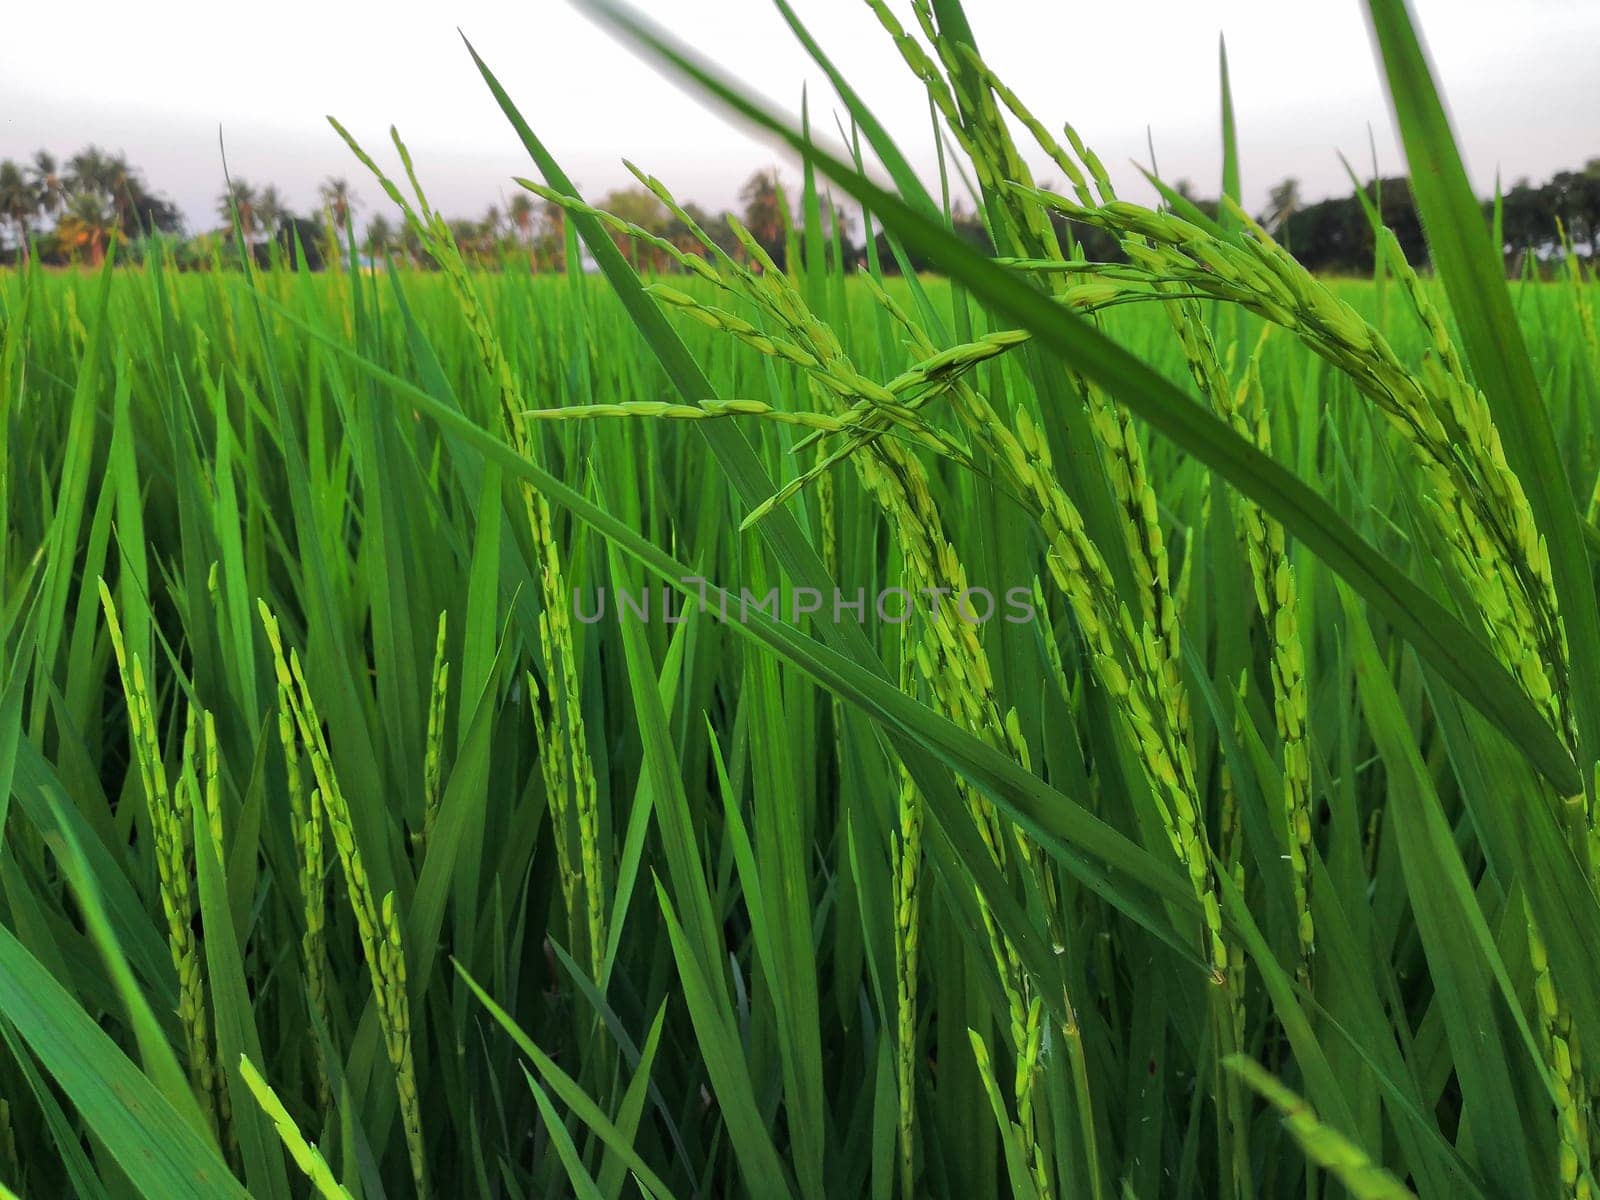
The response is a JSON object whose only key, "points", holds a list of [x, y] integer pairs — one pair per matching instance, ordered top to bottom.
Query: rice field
{"points": [[1047, 729]]}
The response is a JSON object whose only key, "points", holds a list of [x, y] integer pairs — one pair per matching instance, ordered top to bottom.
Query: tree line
{"points": [[74, 210], [1538, 222]]}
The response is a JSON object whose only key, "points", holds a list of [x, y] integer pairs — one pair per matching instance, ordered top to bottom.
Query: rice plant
{"points": [[1050, 727]]}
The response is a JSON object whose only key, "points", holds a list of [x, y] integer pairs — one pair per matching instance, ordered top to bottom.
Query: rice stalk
{"points": [[1477, 502], [1276, 595], [563, 735], [433, 752], [201, 779], [169, 822], [305, 824], [905, 851], [380, 936], [1572, 1097]]}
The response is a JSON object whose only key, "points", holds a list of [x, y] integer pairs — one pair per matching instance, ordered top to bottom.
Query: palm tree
{"points": [[90, 170], [48, 184], [124, 186], [240, 199], [339, 200], [18, 201], [1283, 202], [135, 209], [270, 209], [763, 209], [521, 212], [766, 214], [87, 226], [468, 236], [380, 237], [550, 239], [411, 244]]}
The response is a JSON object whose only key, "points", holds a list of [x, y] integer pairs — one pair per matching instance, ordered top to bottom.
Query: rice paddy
{"points": [[1048, 728]]}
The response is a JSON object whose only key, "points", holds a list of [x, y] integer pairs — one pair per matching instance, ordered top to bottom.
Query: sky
{"points": [[158, 80]]}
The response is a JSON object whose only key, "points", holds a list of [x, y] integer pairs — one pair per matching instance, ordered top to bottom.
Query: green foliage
{"points": [[1256, 860]]}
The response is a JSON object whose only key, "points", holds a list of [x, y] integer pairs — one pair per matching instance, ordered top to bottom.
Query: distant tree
{"points": [[90, 170], [106, 175], [118, 184], [123, 185], [50, 187], [1573, 197], [338, 199], [241, 200], [1283, 201], [18, 202], [1205, 204], [639, 206], [1397, 209], [271, 210], [149, 213], [764, 213], [523, 215], [835, 217], [1533, 217], [1523, 221], [493, 225], [87, 227], [538, 230], [1328, 235], [1334, 235], [380, 237], [469, 238], [550, 238], [300, 242], [411, 245]]}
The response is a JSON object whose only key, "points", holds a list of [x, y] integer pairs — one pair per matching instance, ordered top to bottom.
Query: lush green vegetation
{"points": [[345, 852]]}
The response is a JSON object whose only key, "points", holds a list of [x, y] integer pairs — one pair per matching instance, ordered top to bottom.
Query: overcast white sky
{"points": [[156, 80]]}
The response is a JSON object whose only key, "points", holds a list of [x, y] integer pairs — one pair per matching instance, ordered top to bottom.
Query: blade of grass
{"points": [[160, 1151]]}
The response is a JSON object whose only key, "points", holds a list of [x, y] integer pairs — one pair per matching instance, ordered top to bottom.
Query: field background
{"points": [[150, 447], [340, 859]]}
